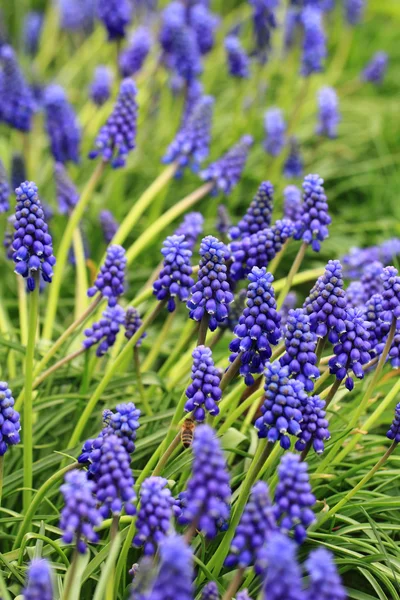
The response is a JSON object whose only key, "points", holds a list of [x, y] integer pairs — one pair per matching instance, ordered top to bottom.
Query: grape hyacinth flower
{"points": [[354, 11], [77, 15], [116, 16], [173, 18], [264, 20], [33, 23], [204, 24], [291, 26], [314, 42], [185, 58], [132, 59], [237, 59], [375, 70], [100, 88], [17, 102], [329, 116], [61, 125], [275, 129], [118, 136], [192, 143], [293, 166], [18, 170], [225, 173], [4, 190], [67, 194], [292, 209], [258, 215], [223, 222], [108, 224], [191, 227], [312, 227], [9, 236], [32, 244], [258, 249], [389, 250], [355, 262], [175, 276], [371, 278], [110, 281], [391, 291], [211, 294], [355, 295], [289, 303], [235, 310], [132, 323], [379, 323], [258, 327], [105, 331], [300, 345], [394, 352], [204, 392], [281, 410], [9, 419], [124, 423], [314, 426], [394, 430], [114, 481], [208, 493], [294, 499], [79, 516], [154, 518], [255, 527], [175, 575], [283, 575], [325, 582], [39, 585], [210, 591], [243, 595]]}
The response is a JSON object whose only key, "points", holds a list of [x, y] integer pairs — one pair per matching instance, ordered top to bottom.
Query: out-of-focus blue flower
{"points": [[354, 11], [76, 15], [115, 15], [173, 18], [264, 20], [33, 23], [204, 23], [292, 23], [314, 42], [185, 57], [132, 59], [237, 59], [375, 70], [100, 88], [193, 93], [16, 99], [329, 116], [61, 125], [275, 129], [118, 136], [293, 166], [18, 170], [225, 173], [4, 189], [67, 194], [292, 203], [259, 214], [223, 222], [108, 224], [191, 227], [312, 227], [9, 236], [389, 250], [175, 276], [371, 278], [110, 280], [391, 291], [356, 295], [289, 303], [132, 323], [379, 323], [104, 332], [300, 345], [203, 392], [9, 419], [314, 426], [394, 430], [175, 575], [283, 575], [325, 582], [39, 585], [210, 591], [243, 595]]}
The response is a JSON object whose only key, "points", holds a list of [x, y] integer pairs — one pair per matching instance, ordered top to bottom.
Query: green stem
{"points": [[62, 252], [275, 262], [293, 270], [81, 286], [22, 310], [202, 335], [183, 342], [320, 348], [155, 349], [58, 365], [231, 372], [332, 391], [142, 393], [237, 413], [27, 422], [167, 454], [1, 476], [70, 576], [234, 585]]}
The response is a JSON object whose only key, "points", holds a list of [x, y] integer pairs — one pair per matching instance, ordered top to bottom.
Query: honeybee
{"points": [[187, 431]]}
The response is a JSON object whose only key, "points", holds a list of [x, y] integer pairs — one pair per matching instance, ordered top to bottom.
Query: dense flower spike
{"points": [[354, 11], [77, 15], [115, 15], [172, 20], [264, 20], [33, 23], [204, 24], [314, 42], [185, 58], [132, 59], [237, 59], [375, 70], [100, 88], [17, 103], [329, 116], [61, 125], [275, 129], [118, 136], [191, 144], [293, 166], [18, 170], [225, 173], [4, 190], [67, 194], [292, 203], [258, 215], [223, 222], [108, 224], [191, 227], [312, 227], [9, 236], [32, 244], [258, 249], [389, 250], [371, 278], [111, 279], [175, 279], [391, 291], [211, 294], [356, 295], [289, 303], [326, 304], [132, 323], [379, 323], [258, 327], [104, 332], [300, 345], [353, 349], [394, 353], [204, 391], [281, 411], [9, 419], [124, 423], [314, 426], [394, 430], [114, 481], [208, 492], [294, 499], [79, 515], [154, 519], [255, 527], [283, 576], [174, 580], [325, 582], [39, 585], [210, 591], [243, 595]]}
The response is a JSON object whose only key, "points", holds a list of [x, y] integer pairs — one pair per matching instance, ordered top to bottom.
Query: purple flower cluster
{"points": [[354, 10], [77, 15], [115, 15], [264, 20], [33, 23], [204, 24], [314, 42], [132, 59], [237, 59], [375, 70], [100, 88], [17, 102], [329, 116], [61, 125], [275, 129], [118, 136], [293, 166], [18, 170], [225, 173], [4, 190], [67, 194], [292, 203], [258, 215], [223, 222], [108, 224], [191, 227], [312, 227], [32, 244], [175, 276], [111, 279], [371, 279], [391, 291], [211, 294], [355, 294], [289, 303], [132, 323], [378, 323], [258, 326], [104, 332], [204, 391], [281, 410], [9, 419], [123, 423], [314, 426], [394, 430], [294, 499], [207, 500], [283, 575], [174, 579], [324, 580], [39, 585], [210, 591]]}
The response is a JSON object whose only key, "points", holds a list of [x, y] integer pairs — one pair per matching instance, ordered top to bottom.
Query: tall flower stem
{"points": [[62, 252], [275, 262], [293, 270], [81, 285], [22, 310], [202, 335], [320, 348], [57, 365], [231, 372], [332, 391], [142, 393], [27, 421], [167, 454], [1, 476], [70, 576], [234, 585]]}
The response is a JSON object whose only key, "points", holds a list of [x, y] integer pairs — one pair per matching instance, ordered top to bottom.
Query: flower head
{"points": [[354, 10], [77, 15], [115, 15], [173, 18], [264, 20], [33, 23], [204, 24], [314, 42], [185, 57], [132, 59], [237, 59], [375, 70], [100, 88], [17, 102], [329, 116], [61, 125], [275, 129], [118, 136], [293, 166], [18, 170], [225, 173], [4, 190], [67, 194], [292, 203], [258, 215], [223, 221], [108, 224], [191, 227], [312, 227], [32, 244], [175, 276], [111, 279], [371, 279], [391, 291], [211, 294], [355, 294], [289, 303], [132, 323], [378, 323], [104, 332], [204, 391], [9, 419], [123, 422], [314, 426], [394, 430], [208, 492], [283, 575], [175, 576], [325, 582], [39, 585], [210, 591], [243, 595]]}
